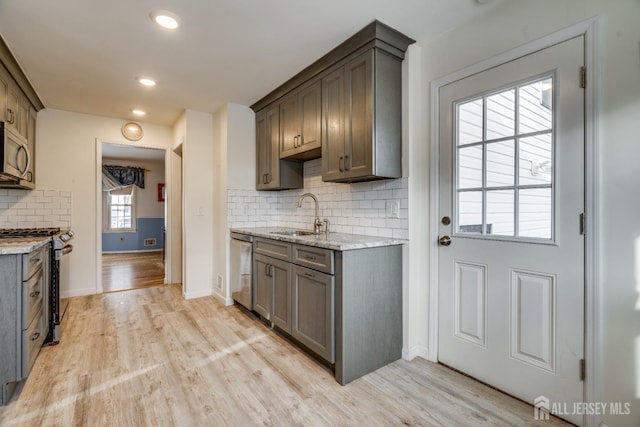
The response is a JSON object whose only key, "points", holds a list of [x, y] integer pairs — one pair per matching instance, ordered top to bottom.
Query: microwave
{"points": [[15, 160]]}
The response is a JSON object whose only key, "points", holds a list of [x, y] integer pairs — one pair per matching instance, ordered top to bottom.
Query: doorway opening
{"points": [[134, 217]]}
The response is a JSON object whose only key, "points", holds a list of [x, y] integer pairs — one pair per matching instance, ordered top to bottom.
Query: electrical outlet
{"points": [[392, 208], [219, 282]]}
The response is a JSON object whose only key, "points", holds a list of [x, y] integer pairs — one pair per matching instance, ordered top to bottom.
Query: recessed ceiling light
{"points": [[166, 19], [146, 81], [138, 112]]}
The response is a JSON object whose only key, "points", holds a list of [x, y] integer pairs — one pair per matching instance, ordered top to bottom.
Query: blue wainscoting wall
{"points": [[146, 228]]}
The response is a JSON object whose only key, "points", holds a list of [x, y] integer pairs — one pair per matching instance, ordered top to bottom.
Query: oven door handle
{"points": [[64, 251]]}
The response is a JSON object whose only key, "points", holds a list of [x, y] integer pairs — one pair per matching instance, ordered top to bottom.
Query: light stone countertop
{"points": [[334, 241], [21, 245]]}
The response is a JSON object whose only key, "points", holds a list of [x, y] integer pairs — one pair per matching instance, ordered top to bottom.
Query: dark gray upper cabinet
{"points": [[358, 86], [300, 114], [272, 173]]}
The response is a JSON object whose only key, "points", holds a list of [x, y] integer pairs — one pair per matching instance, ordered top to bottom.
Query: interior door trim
{"points": [[592, 332]]}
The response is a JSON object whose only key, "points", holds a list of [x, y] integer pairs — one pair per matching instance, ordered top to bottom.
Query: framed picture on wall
{"points": [[161, 192]]}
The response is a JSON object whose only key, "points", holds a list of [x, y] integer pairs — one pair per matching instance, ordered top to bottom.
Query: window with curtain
{"points": [[121, 210]]}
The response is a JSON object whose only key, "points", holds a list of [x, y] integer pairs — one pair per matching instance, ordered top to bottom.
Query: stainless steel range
{"points": [[60, 246]]}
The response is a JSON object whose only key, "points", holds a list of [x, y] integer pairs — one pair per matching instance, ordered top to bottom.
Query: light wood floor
{"points": [[132, 271], [149, 358]]}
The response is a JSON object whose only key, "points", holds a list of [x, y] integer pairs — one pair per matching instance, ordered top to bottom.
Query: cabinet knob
{"points": [[35, 294], [35, 336]]}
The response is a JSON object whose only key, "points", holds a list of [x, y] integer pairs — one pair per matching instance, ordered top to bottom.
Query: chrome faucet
{"points": [[317, 224]]}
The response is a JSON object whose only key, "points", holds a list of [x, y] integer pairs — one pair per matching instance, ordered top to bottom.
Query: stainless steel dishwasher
{"points": [[241, 259]]}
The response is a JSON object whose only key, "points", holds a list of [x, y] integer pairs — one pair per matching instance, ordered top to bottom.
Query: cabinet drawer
{"points": [[273, 248], [315, 258], [32, 262], [32, 297], [32, 339]]}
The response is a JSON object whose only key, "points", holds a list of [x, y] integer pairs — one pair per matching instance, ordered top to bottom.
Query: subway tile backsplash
{"points": [[36, 208], [358, 208]]}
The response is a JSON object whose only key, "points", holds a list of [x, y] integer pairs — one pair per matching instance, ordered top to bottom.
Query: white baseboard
{"points": [[132, 252], [77, 292], [197, 294], [415, 351]]}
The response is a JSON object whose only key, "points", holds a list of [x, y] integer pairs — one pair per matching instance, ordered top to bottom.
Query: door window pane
{"points": [[535, 108], [501, 113], [469, 124], [535, 155], [504, 162], [500, 164], [470, 167], [535, 207], [470, 212], [500, 213]]}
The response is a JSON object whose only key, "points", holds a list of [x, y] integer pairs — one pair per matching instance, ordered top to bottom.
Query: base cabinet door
{"points": [[263, 286], [281, 309], [313, 311]]}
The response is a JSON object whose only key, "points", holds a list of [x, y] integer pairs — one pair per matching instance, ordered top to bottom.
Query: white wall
{"points": [[518, 22], [66, 161], [234, 168], [197, 174]]}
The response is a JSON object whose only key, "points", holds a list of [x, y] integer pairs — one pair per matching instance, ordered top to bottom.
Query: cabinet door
{"points": [[4, 94], [13, 107], [309, 113], [23, 115], [333, 125], [289, 126], [262, 153], [358, 159], [267, 161], [263, 286], [281, 309], [313, 311]]}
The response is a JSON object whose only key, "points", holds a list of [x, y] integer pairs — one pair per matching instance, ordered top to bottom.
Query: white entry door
{"points": [[511, 254]]}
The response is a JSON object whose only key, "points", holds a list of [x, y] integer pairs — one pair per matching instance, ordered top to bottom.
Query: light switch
{"points": [[393, 208]]}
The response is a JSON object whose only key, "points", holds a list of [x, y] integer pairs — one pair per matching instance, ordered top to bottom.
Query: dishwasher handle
{"points": [[240, 236]]}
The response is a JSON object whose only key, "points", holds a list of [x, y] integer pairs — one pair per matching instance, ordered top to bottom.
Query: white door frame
{"points": [[168, 210], [592, 264]]}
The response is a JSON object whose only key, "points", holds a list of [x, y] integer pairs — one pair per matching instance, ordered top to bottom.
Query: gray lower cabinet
{"points": [[272, 290], [24, 293], [344, 306], [313, 311]]}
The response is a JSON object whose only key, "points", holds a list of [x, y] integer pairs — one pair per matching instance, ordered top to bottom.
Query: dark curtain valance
{"points": [[126, 175]]}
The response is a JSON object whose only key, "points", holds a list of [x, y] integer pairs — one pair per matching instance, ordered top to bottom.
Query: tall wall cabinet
{"points": [[19, 105], [346, 108]]}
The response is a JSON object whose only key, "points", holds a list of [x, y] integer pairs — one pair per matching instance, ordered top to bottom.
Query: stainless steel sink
{"points": [[293, 233]]}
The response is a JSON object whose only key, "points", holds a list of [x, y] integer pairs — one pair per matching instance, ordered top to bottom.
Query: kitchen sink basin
{"points": [[293, 233]]}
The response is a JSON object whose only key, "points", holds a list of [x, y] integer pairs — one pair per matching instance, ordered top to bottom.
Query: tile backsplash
{"points": [[36, 208], [358, 208]]}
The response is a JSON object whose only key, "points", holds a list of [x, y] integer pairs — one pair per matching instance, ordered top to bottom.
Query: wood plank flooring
{"points": [[132, 271], [149, 358]]}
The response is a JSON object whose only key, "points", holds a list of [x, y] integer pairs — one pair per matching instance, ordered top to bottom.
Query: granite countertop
{"points": [[334, 241], [21, 245]]}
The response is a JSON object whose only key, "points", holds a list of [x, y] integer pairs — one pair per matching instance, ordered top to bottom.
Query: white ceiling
{"points": [[84, 55]]}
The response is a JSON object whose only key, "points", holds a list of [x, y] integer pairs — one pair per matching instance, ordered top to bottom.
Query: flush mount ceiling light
{"points": [[165, 19], [145, 81], [138, 112], [132, 131]]}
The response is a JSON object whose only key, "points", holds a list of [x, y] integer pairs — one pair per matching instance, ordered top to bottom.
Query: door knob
{"points": [[444, 241]]}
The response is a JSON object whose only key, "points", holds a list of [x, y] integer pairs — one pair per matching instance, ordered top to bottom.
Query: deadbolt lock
{"points": [[446, 220]]}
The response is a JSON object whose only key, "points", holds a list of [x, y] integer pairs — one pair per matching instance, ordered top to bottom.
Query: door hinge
{"points": [[583, 77], [583, 223], [583, 370]]}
